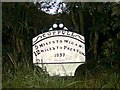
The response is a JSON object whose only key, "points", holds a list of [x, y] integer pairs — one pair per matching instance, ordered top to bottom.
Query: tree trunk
{"points": [[81, 21], [74, 22], [95, 45]]}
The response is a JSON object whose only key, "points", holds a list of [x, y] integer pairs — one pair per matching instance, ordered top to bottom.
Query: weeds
{"points": [[30, 76]]}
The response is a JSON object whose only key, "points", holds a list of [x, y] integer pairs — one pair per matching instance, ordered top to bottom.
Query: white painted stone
{"points": [[54, 25], [61, 25], [59, 51], [60, 69]]}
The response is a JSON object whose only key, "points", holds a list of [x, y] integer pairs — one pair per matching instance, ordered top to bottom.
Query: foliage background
{"points": [[98, 22]]}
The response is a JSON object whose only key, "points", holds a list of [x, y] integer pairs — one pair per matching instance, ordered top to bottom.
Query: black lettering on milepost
{"points": [[59, 32], [63, 32], [49, 33], [54, 33], [68, 33], [72, 34], [44, 35], [53, 41], [57, 41], [66, 41], [49, 42], [46, 43], [72, 43], [76, 44], [41, 45], [80, 46], [36, 47], [57, 47], [60, 47], [65, 47], [53, 48], [50, 49], [42, 50], [37, 52], [59, 55], [37, 60]]}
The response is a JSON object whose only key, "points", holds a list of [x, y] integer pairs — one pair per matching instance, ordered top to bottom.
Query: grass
{"points": [[25, 75]]}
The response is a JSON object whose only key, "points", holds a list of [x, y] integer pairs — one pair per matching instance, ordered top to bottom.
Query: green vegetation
{"points": [[98, 22], [27, 76]]}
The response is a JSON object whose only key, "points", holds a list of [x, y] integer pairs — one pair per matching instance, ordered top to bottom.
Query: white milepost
{"points": [[55, 25], [61, 25], [65, 28], [51, 29], [59, 51]]}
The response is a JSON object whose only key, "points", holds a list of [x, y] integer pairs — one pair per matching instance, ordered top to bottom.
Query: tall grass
{"points": [[20, 26], [30, 76]]}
